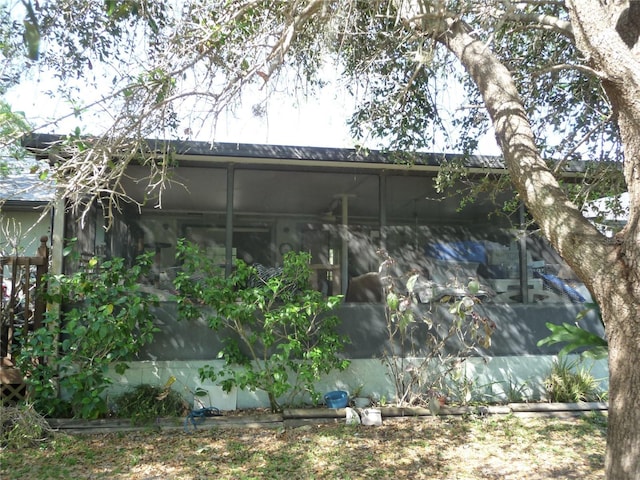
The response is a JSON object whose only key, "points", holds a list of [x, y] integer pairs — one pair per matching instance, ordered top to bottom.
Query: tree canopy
{"points": [[165, 69]]}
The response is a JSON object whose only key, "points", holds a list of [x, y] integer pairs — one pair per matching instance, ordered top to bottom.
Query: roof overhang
{"points": [[195, 153], [198, 153]]}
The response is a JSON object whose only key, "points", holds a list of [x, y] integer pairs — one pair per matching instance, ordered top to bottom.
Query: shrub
{"points": [[104, 319], [278, 335], [422, 372], [571, 382], [145, 403]]}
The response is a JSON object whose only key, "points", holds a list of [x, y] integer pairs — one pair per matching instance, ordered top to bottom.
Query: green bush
{"points": [[103, 321], [278, 335], [571, 382], [145, 403]]}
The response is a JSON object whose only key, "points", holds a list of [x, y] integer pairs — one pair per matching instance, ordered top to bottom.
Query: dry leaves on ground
{"points": [[417, 448]]}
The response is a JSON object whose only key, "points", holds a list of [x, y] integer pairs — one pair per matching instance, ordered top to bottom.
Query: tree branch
{"points": [[547, 22], [283, 44], [570, 66], [584, 139], [533, 180]]}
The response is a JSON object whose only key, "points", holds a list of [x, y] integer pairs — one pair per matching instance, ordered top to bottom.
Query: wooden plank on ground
{"points": [[558, 407], [404, 411], [291, 413], [558, 414], [246, 419], [302, 422], [104, 425]]}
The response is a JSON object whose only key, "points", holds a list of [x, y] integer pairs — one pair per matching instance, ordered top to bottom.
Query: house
{"points": [[257, 202], [24, 218]]}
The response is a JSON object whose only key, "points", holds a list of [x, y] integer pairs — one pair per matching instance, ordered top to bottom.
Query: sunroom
{"points": [[342, 206]]}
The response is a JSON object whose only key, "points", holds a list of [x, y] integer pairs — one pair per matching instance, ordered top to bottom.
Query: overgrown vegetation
{"points": [[103, 320], [283, 338], [424, 371], [570, 381], [145, 403], [22, 426]]}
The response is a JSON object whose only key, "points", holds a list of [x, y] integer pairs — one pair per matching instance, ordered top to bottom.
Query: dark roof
{"points": [[40, 142], [348, 155], [344, 156]]}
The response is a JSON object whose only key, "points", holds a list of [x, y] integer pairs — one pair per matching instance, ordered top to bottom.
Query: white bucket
{"points": [[371, 416]]}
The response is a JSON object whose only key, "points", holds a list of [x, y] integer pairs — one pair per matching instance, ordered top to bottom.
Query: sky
{"points": [[318, 121], [314, 122]]}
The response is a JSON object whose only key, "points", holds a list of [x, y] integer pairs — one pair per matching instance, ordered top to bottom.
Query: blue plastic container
{"points": [[336, 399]]}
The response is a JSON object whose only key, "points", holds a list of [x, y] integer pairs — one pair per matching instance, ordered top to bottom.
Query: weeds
{"points": [[514, 391], [145, 403], [22, 426]]}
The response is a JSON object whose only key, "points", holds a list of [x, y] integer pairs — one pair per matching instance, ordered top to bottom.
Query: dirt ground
{"points": [[493, 447]]}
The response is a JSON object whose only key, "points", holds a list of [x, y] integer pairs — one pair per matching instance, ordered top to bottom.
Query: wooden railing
{"points": [[22, 307]]}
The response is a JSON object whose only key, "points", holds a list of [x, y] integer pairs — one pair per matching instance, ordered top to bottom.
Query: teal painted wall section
{"points": [[492, 379]]}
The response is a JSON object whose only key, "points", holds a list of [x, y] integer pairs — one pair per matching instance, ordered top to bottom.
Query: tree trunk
{"points": [[608, 36], [608, 268], [623, 435]]}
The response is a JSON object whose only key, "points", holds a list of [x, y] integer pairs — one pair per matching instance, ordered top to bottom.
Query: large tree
{"points": [[553, 79]]}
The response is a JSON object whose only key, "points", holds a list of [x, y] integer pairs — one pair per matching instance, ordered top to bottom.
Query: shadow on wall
{"points": [[518, 330], [180, 339]]}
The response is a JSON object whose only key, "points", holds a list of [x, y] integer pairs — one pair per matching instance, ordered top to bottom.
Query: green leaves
{"points": [[13, 125], [104, 321], [576, 337], [284, 339]]}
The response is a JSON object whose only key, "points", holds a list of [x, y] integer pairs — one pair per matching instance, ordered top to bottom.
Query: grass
{"points": [[504, 447]]}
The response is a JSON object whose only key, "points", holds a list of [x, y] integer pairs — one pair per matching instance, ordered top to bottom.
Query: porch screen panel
{"points": [[192, 206], [279, 210], [449, 242], [555, 281]]}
